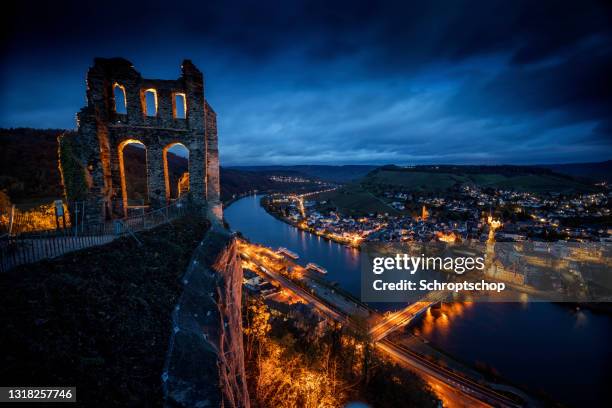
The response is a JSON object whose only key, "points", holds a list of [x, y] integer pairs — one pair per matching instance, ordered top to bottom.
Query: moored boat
{"points": [[286, 252], [314, 267]]}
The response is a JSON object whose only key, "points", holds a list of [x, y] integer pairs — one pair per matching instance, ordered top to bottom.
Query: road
{"points": [[258, 259], [307, 296], [401, 318], [398, 319], [423, 366]]}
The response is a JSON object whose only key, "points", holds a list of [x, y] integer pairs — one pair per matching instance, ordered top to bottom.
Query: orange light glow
{"points": [[183, 182], [424, 214], [41, 218], [493, 225], [449, 237]]}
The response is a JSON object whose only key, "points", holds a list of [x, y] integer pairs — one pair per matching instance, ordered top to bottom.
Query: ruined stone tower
{"points": [[122, 108]]}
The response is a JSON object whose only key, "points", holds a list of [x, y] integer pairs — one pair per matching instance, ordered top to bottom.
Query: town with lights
{"points": [[470, 213]]}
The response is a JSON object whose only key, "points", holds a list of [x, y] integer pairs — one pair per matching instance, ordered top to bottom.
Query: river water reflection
{"points": [[564, 352]]}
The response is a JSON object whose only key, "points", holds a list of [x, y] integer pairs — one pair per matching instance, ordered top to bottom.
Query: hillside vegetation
{"points": [[28, 165], [596, 172], [442, 178], [236, 182], [365, 196], [355, 199]]}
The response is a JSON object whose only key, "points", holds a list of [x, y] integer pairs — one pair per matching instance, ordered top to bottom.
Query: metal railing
{"points": [[29, 247]]}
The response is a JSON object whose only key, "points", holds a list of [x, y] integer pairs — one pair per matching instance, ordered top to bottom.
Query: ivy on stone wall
{"points": [[71, 170]]}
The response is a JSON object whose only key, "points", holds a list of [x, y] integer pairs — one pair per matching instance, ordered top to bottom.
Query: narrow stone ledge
{"points": [[205, 362]]}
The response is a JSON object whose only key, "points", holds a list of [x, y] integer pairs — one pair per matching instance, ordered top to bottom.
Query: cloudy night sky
{"points": [[486, 82]]}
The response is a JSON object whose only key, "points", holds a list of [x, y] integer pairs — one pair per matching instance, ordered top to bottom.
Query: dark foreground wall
{"points": [[205, 363]]}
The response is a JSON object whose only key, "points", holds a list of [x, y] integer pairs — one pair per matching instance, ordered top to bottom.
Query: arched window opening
{"points": [[120, 99], [150, 102], [180, 106], [133, 169], [176, 170]]}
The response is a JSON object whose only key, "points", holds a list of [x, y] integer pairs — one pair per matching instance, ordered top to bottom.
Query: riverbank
{"points": [[228, 202], [302, 227]]}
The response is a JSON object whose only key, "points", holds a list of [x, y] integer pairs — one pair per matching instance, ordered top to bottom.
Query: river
{"points": [[566, 353]]}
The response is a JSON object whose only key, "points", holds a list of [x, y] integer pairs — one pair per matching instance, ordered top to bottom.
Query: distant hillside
{"points": [[597, 172], [340, 174], [445, 177], [234, 181], [238, 182]]}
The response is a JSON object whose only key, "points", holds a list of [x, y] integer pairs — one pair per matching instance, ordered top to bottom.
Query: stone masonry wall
{"points": [[103, 132], [213, 190], [205, 363]]}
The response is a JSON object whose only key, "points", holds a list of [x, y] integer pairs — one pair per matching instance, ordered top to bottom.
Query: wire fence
{"points": [[46, 217], [32, 246]]}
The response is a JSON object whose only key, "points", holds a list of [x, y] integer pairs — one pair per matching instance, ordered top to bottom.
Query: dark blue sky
{"points": [[354, 82]]}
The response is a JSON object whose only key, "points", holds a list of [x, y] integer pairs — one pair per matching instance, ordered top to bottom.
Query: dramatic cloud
{"points": [[352, 82]]}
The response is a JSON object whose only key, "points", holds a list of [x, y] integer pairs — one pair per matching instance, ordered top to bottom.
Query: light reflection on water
{"points": [[440, 319]]}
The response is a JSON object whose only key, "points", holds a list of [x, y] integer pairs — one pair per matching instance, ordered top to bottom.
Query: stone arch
{"points": [[122, 172], [180, 186]]}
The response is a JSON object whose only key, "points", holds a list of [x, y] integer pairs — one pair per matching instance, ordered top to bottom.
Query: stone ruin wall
{"points": [[103, 132], [205, 365]]}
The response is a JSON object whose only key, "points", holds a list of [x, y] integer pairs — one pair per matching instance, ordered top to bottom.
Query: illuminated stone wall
{"points": [[103, 131]]}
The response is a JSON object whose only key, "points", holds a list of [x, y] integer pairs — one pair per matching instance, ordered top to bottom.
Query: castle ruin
{"points": [[123, 108]]}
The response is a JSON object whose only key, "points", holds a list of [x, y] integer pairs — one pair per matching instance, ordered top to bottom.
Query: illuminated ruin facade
{"points": [[123, 108]]}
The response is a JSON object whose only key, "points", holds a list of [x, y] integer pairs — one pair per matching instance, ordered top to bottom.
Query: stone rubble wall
{"points": [[205, 363]]}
